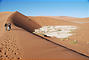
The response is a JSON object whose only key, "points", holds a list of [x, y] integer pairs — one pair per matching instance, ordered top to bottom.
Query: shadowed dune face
{"points": [[23, 21]]}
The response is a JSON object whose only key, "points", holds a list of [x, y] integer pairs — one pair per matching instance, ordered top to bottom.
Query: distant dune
{"points": [[4, 12], [21, 43]]}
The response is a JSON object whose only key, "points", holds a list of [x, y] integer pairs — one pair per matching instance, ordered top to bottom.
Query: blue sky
{"points": [[73, 8]]}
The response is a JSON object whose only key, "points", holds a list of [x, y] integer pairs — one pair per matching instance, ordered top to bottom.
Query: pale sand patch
{"points": [[56, 31]]}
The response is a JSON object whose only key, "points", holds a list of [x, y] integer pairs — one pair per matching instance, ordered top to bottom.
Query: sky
{"points": [[73, 8]]}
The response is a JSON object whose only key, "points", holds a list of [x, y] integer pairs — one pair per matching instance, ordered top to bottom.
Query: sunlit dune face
{"points": [[56, 31]]}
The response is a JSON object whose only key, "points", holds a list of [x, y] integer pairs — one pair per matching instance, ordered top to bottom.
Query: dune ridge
{"points": [[23, 21]]}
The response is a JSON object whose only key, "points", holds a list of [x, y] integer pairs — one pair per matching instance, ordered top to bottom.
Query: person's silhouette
{"points": [[6, 26], [9, 26]]}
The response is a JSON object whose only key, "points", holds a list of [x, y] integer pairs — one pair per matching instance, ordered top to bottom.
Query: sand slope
{"points": [[23, 21], [81, 34], [20, 44]]}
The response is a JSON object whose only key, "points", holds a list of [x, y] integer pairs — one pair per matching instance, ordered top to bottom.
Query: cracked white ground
{"points": [[56, 31]]}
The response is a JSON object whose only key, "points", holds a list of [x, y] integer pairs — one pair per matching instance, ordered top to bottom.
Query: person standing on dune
{"points": [[6, 26], [9, 26]]}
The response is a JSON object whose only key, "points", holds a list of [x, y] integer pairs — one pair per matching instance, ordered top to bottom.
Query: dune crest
{"points": [[23, 21]]}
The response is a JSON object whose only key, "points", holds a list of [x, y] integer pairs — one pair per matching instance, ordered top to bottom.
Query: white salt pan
{"points": [[56, 31]]}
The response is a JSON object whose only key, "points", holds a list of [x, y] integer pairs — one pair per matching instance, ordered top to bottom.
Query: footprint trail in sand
{"points": [[8, 48]]}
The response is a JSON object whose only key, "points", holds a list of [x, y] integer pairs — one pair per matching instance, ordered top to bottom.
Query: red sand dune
{"points": [[23, 21], [79, 36], [21, 44]]}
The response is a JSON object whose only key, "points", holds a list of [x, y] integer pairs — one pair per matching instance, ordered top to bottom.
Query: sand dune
{"points": [[23, 21], [79, 33], [20, 43]]}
